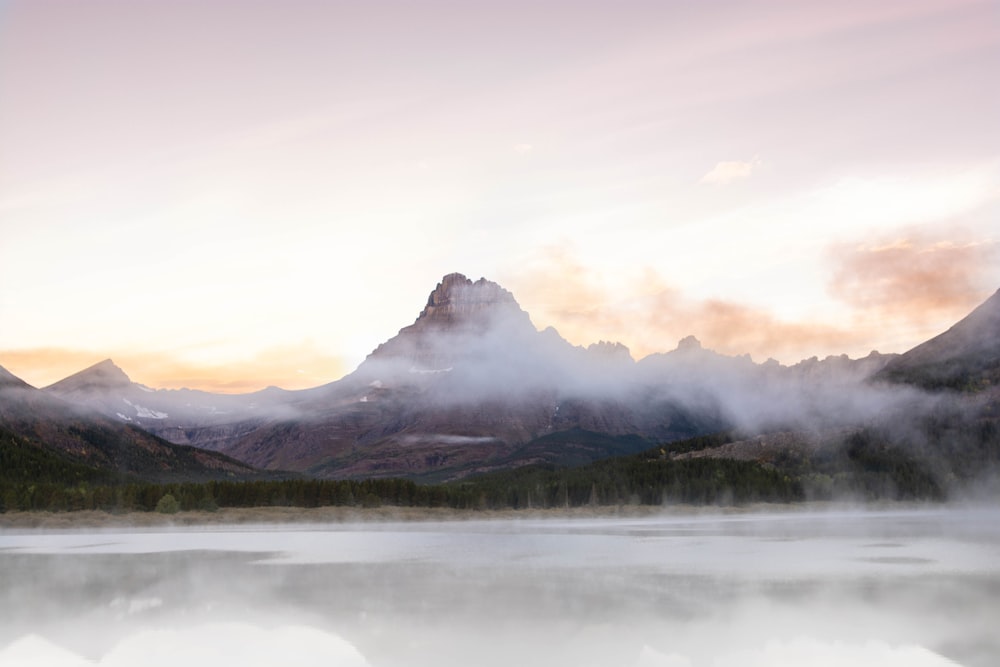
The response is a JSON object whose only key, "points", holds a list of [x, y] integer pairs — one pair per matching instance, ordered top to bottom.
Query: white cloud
{"points": [[523, 149], [724, 173]]}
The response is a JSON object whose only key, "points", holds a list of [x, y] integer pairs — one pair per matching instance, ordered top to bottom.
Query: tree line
{"points": [[869, 463], [35, 479]]}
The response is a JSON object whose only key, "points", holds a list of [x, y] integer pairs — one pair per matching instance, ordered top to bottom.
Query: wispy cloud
{"points": [[724, 173], [916, 278], [897, 292], [648, 314]]}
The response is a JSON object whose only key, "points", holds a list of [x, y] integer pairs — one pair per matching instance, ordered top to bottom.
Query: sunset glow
{"points": [[232, 195]]}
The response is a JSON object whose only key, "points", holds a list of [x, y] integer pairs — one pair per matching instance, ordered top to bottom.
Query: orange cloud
{"points": [[915, 276], [922, 283], [900, 293], [649, 315], [734, 328], [41, 367], [289, 367]]}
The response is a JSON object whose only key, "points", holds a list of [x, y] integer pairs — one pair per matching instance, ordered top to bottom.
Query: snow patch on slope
{"points": [[146, 413]]}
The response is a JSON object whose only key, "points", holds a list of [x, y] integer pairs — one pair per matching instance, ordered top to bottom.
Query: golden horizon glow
{"points": [[225, 194]]}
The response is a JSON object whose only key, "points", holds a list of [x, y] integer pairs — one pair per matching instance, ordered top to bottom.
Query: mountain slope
{"points": [[965, 357], [8, 379], [472, 386], [461, 391], [185, 416], [32, 418]]}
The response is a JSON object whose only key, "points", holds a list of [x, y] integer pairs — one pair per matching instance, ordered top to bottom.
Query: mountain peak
{"points": [[456, 300], [460, 315], [689, 343], [610, 351], [102, 375]]}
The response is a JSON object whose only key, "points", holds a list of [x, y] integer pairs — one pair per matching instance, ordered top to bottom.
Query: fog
{"points": [[497, 354], [474, 370], [914, 587]]}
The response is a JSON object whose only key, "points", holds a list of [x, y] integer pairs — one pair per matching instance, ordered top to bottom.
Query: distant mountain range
{"points": [[472, 387], [39, 431]]}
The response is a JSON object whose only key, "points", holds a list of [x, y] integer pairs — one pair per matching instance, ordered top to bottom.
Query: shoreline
{"points": [[237, 516]]}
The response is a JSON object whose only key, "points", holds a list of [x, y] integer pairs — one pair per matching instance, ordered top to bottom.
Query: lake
{"points": [[914, 587]]}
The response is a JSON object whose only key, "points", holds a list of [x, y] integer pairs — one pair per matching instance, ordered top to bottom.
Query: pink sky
{"points": [[235, 194]]}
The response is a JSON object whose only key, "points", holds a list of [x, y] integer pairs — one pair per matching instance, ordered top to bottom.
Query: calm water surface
{"points": [[909, 587]]}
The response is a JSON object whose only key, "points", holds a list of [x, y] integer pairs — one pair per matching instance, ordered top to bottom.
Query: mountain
{"points": [[452, 327], [474, 339], [965, 357], [100, 376], [8, 379], [472, 386], [465, 389], [811, 394], [184, 416], [36, 426], [914, 443]]}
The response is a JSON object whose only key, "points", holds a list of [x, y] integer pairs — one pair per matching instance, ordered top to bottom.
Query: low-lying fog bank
{"points": [[299, 515], [91, 519], [823, 585]]}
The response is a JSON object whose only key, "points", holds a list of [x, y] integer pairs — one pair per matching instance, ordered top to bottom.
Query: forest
{"points": [[867, 464]]}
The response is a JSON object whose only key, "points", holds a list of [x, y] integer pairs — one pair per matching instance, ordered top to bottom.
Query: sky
{"points": [[228, 195]]}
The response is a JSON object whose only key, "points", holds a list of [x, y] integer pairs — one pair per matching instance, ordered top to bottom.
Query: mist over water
{"points": [[909, 587]]}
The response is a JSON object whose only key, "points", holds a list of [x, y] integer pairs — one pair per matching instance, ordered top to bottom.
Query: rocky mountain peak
{"points": [[457, 300], [462, 318], [688, 343], [610, 351], [102, 375]]}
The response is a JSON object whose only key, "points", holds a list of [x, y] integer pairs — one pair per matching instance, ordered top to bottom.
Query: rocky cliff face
{"points": [[459, 303], [459, 314]]}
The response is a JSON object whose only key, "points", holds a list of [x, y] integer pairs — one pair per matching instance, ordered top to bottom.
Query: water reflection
{"points": [[913, 588]]}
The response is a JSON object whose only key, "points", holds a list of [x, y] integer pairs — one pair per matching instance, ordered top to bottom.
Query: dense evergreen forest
{"points": [[867, 464], [636, 482]]}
